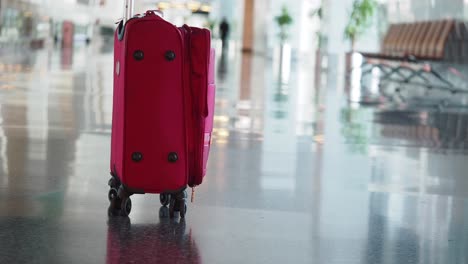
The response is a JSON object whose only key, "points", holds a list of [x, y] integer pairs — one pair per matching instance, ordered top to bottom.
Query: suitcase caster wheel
{"points": [[113, 183], [112, 194], [164, 199], [172, 204], [178, 204], [114, 207], [126, 207]]}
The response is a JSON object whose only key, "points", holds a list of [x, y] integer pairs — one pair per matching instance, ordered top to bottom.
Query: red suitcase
{"points": [[160, 109]]}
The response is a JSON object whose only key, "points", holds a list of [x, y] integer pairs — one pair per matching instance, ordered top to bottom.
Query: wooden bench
{"points": [[427, 41], [409, 50]]}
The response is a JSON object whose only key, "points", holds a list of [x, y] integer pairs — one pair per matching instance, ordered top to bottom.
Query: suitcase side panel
{"points": [[200, 42], [190, 103], [114, 105], [154, 108], [117, 138]]}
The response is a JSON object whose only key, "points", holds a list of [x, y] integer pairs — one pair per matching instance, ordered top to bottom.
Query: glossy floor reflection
{"points": [[296, 173]]}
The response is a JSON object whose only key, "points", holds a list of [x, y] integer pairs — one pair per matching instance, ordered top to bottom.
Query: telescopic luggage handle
{"points": [[129, 6], [129, 10]]}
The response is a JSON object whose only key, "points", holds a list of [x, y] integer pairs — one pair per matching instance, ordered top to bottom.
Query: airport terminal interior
{"points": [[340, 135]]}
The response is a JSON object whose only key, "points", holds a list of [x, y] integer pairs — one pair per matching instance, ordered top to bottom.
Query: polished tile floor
{"points": [[297, 174]]}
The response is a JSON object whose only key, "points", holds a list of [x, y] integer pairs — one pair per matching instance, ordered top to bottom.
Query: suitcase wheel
{"points": [[113, 183], [112, 194], [164, 198], [120, 203], [178, 204], [126, 206], [114, 207]]}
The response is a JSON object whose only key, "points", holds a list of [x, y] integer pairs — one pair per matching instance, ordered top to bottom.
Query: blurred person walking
{"points": [[224, 31]]}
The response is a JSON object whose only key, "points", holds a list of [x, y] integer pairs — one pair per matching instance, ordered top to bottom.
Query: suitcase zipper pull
{"points": [[193, 195]]}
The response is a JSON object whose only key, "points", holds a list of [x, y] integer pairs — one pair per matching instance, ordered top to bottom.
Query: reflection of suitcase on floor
{"points": [[162, 110], [165, 242]]}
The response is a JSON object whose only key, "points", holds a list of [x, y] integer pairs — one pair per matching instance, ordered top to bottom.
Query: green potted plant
{"points": [[318, 13], [284, 20], [360, 20]]}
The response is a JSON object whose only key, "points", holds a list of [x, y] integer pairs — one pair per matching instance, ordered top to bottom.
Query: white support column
{"points": [[336, 17]]}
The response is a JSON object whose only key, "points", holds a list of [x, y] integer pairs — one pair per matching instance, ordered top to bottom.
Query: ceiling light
{"points": [[163, 5], [178, 5], [193, 5], [206, 8]]}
